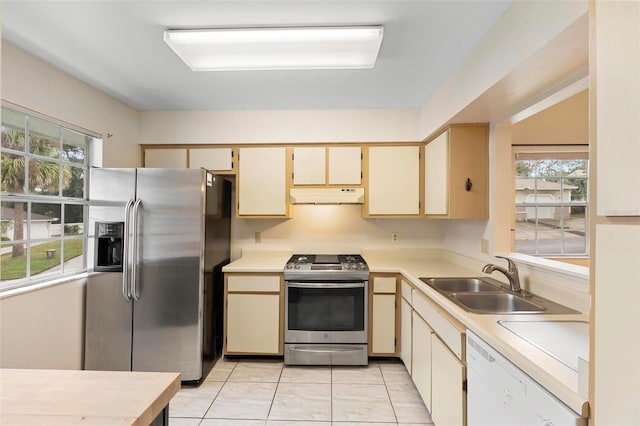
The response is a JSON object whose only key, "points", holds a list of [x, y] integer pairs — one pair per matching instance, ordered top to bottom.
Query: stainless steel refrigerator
{"points": [[158, 239]]}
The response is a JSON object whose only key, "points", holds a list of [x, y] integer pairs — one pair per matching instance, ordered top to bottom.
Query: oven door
{"points": [[326, 312]]}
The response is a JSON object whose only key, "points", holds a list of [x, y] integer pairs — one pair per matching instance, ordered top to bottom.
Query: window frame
{"points": [[551, 152], [59, 201]]}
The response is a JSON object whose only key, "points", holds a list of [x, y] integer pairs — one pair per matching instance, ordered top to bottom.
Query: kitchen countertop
{"points": [[260, 261], [552, 374], [70, 397]]}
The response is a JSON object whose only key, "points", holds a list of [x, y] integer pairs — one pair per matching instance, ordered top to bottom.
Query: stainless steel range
{"points": [[326, 310]]}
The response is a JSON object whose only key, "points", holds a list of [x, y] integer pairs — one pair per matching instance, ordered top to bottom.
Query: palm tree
{"points": [[42, 174]]}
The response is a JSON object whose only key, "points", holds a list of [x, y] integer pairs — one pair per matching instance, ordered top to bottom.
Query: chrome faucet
{"points": [[511, 273]]}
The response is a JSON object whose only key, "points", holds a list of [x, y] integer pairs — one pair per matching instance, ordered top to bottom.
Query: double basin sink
{"points": [[488, 296]]}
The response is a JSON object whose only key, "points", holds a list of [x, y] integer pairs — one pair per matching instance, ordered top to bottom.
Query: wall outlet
{"points": [[258, 237], [394, 237], [484, 246]]}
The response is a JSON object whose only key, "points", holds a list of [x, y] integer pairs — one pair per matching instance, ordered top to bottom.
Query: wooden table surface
{"points": [[72, 397]]}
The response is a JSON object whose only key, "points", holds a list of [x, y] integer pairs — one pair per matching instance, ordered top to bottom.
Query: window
{"points": [[551, 200], [44, 202]]}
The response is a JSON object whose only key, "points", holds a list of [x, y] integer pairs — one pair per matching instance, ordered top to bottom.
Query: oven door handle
{"points": [[325, 285], [325, 351]]}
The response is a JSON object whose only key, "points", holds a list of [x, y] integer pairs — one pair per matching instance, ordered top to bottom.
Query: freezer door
{"points": [[109, 192], [108, 315], [167, 319], [108, 324]]}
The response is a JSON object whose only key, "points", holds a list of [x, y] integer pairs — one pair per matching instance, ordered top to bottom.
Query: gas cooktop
{"points": [[326, 266]]}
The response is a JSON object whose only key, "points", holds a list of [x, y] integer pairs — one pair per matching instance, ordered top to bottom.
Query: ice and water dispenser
{"points": [[109, 245]]}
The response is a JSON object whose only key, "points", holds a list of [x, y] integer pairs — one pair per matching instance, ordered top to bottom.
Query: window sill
{"points": [[555, 266], [28, 288]]}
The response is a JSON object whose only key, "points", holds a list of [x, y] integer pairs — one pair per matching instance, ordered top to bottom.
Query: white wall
{"points": [[524, 28], [34, 84], [237, 127], [333, 228], [43, 328]]}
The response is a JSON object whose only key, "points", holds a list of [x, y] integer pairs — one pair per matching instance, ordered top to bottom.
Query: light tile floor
{"points": [[267, 393]]}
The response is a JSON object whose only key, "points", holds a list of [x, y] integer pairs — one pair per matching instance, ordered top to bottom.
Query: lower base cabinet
{"points": [[253, 315], [383, 315], [253, 323], [406, 328], [432, 350], [421, 357], [447, 393]]}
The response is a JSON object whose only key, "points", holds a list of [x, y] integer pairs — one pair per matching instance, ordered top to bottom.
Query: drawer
{"points": [[253, 283], [384, 285], [449, 330]]}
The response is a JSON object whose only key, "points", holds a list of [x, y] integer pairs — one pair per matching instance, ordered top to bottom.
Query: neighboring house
{"points": [[540, 191], [41, 226]]}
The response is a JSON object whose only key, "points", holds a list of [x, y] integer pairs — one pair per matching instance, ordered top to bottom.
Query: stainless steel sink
{"points": [[452, 285], [483, 295], [495, 303]]}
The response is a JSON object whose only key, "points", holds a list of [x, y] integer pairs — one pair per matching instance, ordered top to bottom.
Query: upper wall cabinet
{"points": [[617, 104], [165, 158], [218, 160], [309, 165], [327, 165], [345, 165], [456, 174], [393, 181], [262, 182]]}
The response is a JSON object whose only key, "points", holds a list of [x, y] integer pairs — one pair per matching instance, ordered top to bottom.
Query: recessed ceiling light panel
{"points": [[277, 48]]}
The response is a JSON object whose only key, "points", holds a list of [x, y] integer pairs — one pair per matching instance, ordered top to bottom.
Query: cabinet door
{"points": [[617, 90], [165, 158], [216, 159], [309, 165], [345, 165], [436, 175], [394, 180], [262, 181], [253, 323], [405, 333], [383, 334], [421, 358], [448, 399]]}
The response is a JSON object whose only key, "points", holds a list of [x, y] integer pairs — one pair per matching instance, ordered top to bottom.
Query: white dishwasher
{"points": [[499, 393]]}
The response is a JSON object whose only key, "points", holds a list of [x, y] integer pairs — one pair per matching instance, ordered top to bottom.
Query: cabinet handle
{"points": [[468, 185]]}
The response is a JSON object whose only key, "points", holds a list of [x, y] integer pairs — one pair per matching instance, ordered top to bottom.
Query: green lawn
{"points": [[14, 268]]}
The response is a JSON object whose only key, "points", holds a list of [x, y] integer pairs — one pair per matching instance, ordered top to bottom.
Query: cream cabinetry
{"points": [[615, 67], [165, 158], [215, 159], [309, 165], [327, 165], [345, 165], [456, 173], [393, 181], [262, 182], [253, 314], [383, 315], [406, 322], [437, 354], [421, 358], [448, 400]]}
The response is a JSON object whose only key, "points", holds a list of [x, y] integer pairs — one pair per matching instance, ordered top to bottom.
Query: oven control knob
{"points": [[297, 266]]}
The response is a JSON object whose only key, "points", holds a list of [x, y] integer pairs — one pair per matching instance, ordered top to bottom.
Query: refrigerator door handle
{"points": [[134, 251], [125, 252]]}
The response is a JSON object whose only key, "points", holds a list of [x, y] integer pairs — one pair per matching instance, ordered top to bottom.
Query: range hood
{"points": [[326, 196]]}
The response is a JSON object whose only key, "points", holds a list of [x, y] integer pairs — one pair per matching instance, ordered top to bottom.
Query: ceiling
{"points": [[117, 47]]}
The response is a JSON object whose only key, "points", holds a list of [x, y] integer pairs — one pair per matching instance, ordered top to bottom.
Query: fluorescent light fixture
{"points": [[276, 48]]}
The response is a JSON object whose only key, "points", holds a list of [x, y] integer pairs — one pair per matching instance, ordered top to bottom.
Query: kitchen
{"points": [[46, 313]]}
